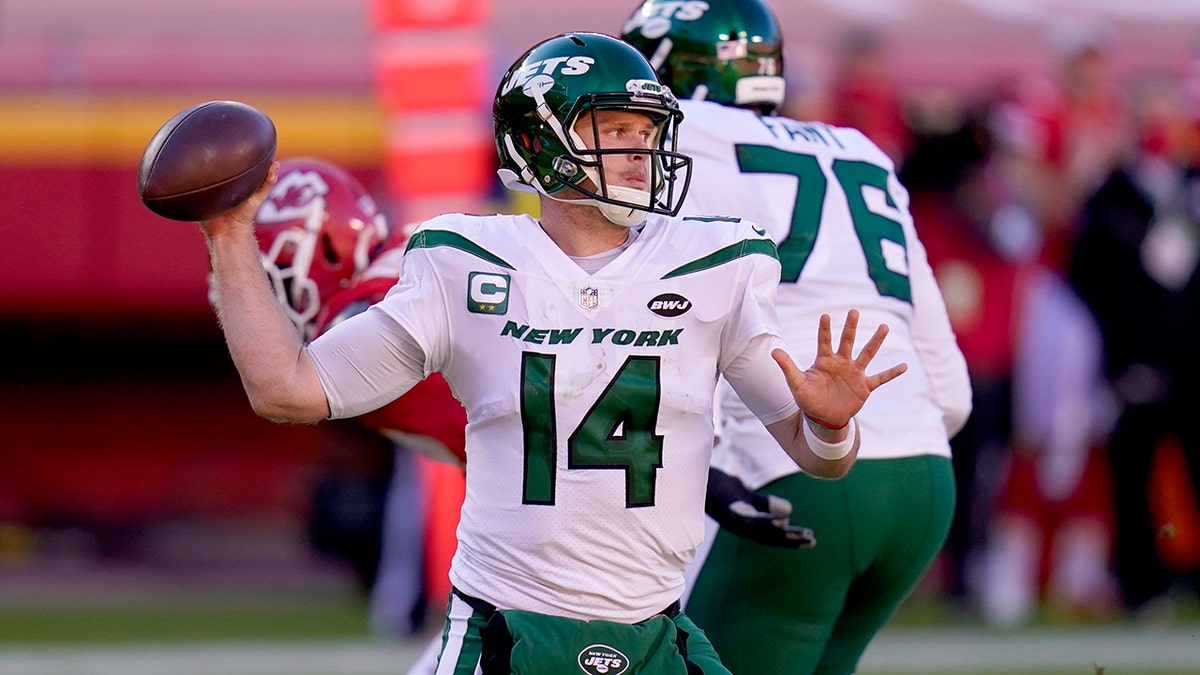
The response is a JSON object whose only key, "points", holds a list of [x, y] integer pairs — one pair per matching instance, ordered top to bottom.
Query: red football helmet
{"points": [[318, 231]]}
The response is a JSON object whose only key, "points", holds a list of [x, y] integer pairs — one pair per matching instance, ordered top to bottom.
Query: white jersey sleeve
{"points": [[830, 200], [936, 347], [370, 361], [366, 363]]}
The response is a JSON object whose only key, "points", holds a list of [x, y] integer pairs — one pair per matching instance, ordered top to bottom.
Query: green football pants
{"points": [[775, 610]]}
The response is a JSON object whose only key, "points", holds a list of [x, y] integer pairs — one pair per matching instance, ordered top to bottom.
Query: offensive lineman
{"points": [[831, 201]]}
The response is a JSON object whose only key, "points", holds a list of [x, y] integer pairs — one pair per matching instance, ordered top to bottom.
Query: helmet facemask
{"points": [[623, 205], [318, 231], [287, 263]]}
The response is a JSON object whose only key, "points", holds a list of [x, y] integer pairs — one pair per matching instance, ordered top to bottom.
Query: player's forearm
{"points": [[268, 353], [821, 452]]}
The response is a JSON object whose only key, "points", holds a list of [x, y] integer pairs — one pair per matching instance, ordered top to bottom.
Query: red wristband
{"points": [[825, 425]]}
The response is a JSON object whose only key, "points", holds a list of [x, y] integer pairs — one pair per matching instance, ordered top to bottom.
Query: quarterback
{"points": [[585, 347]]}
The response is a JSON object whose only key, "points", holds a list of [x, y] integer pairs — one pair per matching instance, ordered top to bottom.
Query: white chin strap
{"points": [[625, 216]]}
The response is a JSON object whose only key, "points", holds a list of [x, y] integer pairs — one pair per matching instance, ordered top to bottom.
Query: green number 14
{"points": [[617, 433]]}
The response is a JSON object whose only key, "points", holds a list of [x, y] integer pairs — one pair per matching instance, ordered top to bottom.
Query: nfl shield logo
{"points": [[589, 297]]}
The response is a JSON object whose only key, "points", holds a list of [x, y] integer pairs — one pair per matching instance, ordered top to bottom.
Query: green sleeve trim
{"points": [[714, 219], [435, 238], [732, 252]]}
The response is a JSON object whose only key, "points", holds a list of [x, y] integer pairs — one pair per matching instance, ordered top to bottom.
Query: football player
{"points": [[829, 198], [330, 253], [585, 346]]}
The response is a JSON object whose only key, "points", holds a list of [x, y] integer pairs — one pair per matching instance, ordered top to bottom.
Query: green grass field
{"points": [[187, 620], [297, 632]]}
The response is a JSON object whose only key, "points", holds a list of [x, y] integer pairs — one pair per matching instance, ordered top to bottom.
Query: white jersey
{"points": [[831, 200], [589, 399]]}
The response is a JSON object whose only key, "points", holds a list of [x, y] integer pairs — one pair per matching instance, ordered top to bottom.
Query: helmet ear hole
{"points": [[529, 143], [327, 248]]}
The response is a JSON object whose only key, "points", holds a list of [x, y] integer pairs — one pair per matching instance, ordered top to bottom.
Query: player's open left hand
{"points": [[836, 386]]}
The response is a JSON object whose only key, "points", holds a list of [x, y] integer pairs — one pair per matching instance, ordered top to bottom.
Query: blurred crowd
{"points": [[1061, 213]]}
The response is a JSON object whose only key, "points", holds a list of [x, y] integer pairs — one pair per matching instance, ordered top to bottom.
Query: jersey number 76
{"points": [[852, 175]]}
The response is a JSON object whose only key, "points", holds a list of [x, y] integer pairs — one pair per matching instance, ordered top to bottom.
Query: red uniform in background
{"points": [[864, 97], [329, 254], [427, 419], [1032, 500]]}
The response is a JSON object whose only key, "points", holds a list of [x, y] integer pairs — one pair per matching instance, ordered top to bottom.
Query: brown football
{"points": [[206, 160]]}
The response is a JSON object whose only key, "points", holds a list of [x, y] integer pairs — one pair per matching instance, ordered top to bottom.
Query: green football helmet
{"points": [[727, 51], [543, 95]]}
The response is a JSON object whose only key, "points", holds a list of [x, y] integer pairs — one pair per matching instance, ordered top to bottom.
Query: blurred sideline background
{"points": [[131, 467]]}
